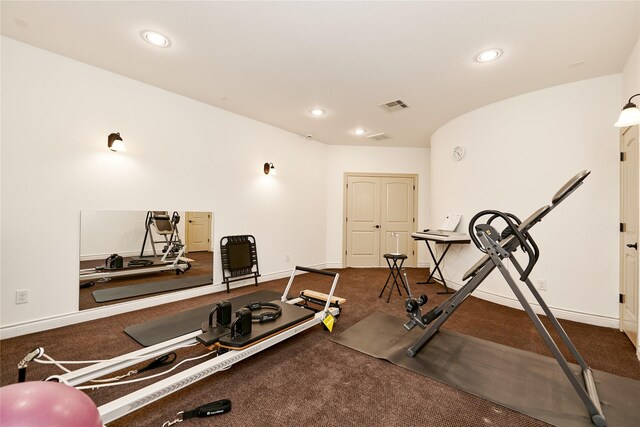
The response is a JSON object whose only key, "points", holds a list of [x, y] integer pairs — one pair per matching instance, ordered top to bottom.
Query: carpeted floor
{"points": [[309, 380]]}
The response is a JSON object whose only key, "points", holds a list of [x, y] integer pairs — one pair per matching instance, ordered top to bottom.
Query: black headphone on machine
{"points": [[267, 316]]}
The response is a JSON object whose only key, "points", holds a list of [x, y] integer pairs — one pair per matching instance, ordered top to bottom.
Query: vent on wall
{"points": [[396, 105], [378, 136]]}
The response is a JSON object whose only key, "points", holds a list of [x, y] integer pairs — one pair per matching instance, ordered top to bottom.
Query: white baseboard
{"points": [[333, 265], [560, 313], [46, 323]]}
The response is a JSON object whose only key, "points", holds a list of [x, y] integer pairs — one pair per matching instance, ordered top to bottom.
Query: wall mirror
{"points": [[126, 255]]}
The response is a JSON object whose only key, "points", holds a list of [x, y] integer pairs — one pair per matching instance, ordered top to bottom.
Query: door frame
{"points": [[345, 194]]}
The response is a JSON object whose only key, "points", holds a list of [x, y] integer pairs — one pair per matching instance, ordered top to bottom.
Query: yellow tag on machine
{"points": [[328, 321]]}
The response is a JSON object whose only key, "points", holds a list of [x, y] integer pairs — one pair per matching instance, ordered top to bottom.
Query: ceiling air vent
{"points": [[396, 105], [378, 136]]}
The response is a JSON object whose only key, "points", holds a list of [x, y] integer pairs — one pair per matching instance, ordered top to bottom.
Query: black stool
{"points": [[394, 273]]}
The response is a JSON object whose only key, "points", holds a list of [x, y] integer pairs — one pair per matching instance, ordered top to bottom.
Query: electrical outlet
{"points": [[287, 258], [541, 284], [22, 296]]}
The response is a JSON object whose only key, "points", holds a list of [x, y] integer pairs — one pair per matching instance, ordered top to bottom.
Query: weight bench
{"points": [[497, 247]]}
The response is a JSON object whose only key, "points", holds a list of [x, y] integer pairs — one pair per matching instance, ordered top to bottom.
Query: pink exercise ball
{"points": [[52, 404]]}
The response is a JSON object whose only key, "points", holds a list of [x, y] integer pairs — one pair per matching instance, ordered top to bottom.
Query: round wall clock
{"points": [[458, 153]]}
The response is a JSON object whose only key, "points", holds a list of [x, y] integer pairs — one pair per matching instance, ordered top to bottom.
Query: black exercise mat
{"points": [[122, 292], [290, 316], [166, 328], [529, 383]]}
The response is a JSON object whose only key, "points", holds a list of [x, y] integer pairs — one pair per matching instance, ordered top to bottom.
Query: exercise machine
{"points": [[160, 223], [500, 246], [173, 259], [179, 264], [266, 330]]}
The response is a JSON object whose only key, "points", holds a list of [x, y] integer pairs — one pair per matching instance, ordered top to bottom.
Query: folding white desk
{"points": [[446, 237]]}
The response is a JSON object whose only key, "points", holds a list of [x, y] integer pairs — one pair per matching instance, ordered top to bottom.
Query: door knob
{"points": [[377, 226], [634, 246]]}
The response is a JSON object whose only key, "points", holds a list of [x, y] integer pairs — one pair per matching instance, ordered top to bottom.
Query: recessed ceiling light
{"points": [[155, 39], [488, 55], [317, 112], [360, 131]]}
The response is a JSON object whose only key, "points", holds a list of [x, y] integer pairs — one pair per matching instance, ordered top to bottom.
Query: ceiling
{"points": [[274, 61]]}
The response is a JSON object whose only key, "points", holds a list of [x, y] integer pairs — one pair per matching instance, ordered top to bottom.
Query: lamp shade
{"points": [[629, 116]]}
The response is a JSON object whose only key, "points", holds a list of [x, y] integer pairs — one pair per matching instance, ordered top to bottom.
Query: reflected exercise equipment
{"points": [[160, 223], [165, 226]]}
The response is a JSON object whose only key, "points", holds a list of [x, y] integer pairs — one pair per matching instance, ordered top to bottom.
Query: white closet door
{"points": [[377, 207], [397, 217], [363, 221]]}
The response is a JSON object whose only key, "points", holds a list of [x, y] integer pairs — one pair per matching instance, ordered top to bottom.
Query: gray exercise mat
{"points": [[122, 292], [166, 328], [525, 382]]}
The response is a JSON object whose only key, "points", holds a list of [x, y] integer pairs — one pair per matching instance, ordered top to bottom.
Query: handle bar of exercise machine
{"points": [[510, 215], [525, 233], [532, 252], [315, 270], [335, 276]]}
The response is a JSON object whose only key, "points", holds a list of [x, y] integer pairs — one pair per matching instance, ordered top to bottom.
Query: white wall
{"points": [[631, 76], [56, 115], [519, 153], [341, 159]]}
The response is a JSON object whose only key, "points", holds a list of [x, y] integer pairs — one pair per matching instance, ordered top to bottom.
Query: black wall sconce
{"points": [[630, 114], [115, 143], [269, 169]]}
